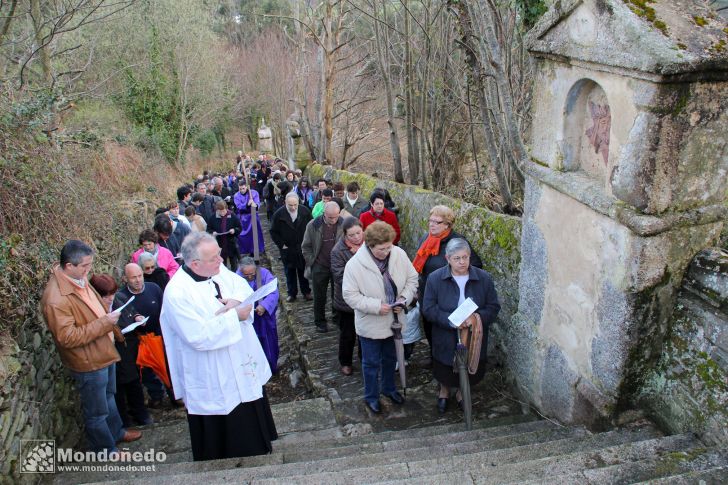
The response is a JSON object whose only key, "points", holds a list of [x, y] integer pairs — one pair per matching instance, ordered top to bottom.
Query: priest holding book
{"points": [[217, 365]]}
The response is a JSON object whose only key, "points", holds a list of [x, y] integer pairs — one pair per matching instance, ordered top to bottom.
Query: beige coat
{"points": [[363, 290]]}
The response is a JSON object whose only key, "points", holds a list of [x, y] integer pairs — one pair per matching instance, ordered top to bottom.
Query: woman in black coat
{"points": [[225, 226], [351, 241], [431, 254], [152, 272], [447, 288], [129, 395]]}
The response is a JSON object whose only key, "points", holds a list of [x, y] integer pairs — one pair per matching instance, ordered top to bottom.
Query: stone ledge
{"points": [[631, 42], [589, 192], [708, 277]]}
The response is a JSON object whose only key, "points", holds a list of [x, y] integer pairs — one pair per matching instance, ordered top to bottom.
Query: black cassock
{"points": [[247, 431]]}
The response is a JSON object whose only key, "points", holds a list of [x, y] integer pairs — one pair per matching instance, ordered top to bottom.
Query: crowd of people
{"points": [[181, 325]]}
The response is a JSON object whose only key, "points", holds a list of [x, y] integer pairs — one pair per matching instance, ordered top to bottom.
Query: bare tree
{"points": [[381, 41], [486, 57], [267, 78], [355, 114], [413, 156]]}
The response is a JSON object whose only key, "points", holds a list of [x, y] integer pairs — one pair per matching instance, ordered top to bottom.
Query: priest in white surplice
{"points": [[216, 363]]}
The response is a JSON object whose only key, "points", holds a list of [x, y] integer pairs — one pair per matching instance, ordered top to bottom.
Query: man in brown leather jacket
{"points": [[83, 331]]}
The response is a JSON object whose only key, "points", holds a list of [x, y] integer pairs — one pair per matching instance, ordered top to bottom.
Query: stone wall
{"points": [[495, 237], [688, 390], [37, 398]]}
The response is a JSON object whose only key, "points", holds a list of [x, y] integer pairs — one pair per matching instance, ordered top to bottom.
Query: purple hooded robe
{"points": [[245, 239], [266, 326]]}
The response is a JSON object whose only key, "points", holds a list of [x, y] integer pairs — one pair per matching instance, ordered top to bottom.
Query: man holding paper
{"points": [[468, 295], [136, 301], [84, 334], [216, 363]]}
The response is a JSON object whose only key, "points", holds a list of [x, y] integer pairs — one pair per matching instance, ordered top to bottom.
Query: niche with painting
{"points": [[588, 120]]}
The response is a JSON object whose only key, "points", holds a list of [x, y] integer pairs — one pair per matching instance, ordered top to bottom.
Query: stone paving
{"points": [[318, 354]]}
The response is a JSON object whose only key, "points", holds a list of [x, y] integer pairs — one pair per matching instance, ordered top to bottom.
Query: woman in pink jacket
{"points": [[148, 240]]}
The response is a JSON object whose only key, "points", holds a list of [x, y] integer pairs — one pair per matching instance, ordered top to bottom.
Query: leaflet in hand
{"points": [[261, 292], [125, 304], [462, 312], [133, 326]]}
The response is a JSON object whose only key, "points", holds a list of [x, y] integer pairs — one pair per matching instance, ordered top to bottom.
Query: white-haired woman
{"points": [[152, 273], [447, 288]]}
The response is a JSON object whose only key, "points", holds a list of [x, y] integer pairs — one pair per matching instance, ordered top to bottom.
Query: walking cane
{"points": [[461, 357]]}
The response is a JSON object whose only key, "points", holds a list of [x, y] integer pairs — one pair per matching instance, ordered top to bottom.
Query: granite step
{"points": [[311, 417], [418, 432], [483, 437], [173, 438], [306, 449], [511, 449], [585, 460], [281, 464], [664, 465], [490, 468], [712, 476]]}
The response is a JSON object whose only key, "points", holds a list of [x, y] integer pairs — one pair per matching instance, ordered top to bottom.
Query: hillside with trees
{"points": [[104, 103]]}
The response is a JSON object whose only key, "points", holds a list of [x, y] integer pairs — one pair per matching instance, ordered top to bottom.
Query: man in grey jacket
{"points": [[321, 236]]}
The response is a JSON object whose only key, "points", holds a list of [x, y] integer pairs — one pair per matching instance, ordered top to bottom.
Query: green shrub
{"points": [[205, 141]]}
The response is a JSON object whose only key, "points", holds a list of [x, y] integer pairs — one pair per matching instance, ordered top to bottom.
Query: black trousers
{"points": [[231, 260], [295, 278], [322, 280], [347, 338], [408, 350], [130, 402]]}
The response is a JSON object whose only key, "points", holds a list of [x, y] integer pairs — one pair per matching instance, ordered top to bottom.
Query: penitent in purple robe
{"points": [[245, 239], [265, 326]]}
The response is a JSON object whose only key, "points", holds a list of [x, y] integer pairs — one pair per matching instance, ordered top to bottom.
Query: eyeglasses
{"points": [[433, 221], [457, 259]]}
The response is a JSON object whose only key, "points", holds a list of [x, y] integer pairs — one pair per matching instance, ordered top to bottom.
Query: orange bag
{"points": [[151, 354]]}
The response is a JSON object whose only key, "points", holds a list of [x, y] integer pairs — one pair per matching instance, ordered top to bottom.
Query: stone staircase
{"points": [[334, 439], [313, 449]]}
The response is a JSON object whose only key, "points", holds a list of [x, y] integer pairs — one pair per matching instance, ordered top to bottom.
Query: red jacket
{"points": [[387, 216]]}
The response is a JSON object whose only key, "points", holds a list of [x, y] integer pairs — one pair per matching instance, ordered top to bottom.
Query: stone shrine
{"points": [[265, 138], [626, 183]]}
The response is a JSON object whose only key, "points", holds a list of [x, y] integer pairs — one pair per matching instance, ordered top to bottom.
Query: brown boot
{"points": [[130, 435]]}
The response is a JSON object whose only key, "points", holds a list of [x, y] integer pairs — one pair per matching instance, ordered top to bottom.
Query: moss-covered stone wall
{"points": [[496, 237], [688, 390]]}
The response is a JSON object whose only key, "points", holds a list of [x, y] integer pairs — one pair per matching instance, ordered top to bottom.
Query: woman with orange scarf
{"points": [[431, 254]]}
